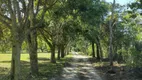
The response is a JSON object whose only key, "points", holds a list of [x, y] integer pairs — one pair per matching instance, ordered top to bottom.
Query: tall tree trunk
{"points": [[111, 35], [32, 44], [100, 48], [16, 50], [93, 50], [62, 51], [97, 51], [101, 51], [59, 52], [115, 56], [53, 59], [15, 65]]}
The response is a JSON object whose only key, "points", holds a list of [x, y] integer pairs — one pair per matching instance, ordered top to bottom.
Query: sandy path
{"points": [[80, 69]]}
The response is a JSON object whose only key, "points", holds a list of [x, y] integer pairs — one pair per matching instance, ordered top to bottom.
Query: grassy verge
{"points": [[47, 70]]}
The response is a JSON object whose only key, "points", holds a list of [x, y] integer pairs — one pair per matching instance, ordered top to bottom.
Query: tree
{"points": [[18, 16], [93, 18], [36, 22], [16, 25], [48, 35], [111, 35], [131, 40]]}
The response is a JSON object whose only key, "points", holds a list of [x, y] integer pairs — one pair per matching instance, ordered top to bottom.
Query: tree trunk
{"points": [[111, 35], [32, 44], [100, 48], [16, 50], [93, 50], [62, 51], [101, 51], [59, 52], [98, 52], [120, 54], [115, 56], [53, 59]]}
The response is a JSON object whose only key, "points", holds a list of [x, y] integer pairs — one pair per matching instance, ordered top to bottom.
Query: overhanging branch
{"points": [[45, 39]]}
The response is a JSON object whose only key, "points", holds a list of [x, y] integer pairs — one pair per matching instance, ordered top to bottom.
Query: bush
{"points": [[135, 58]]}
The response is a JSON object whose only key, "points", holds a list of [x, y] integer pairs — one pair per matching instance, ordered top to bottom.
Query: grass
{"points": [[6, 58], [47, 70]]}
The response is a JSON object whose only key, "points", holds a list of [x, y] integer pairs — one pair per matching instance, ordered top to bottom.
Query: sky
{"points": [[122, 2]]}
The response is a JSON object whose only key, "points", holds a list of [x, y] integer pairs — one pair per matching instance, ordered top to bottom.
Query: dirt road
{"points": [[79, 68]]}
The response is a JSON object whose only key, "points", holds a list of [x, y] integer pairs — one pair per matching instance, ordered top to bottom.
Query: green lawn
{"points": [[6, 58], [46, 69]]}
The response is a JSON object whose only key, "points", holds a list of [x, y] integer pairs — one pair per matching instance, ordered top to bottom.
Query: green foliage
{"points": [[136, 5], [5, 38], [134, 58]]}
